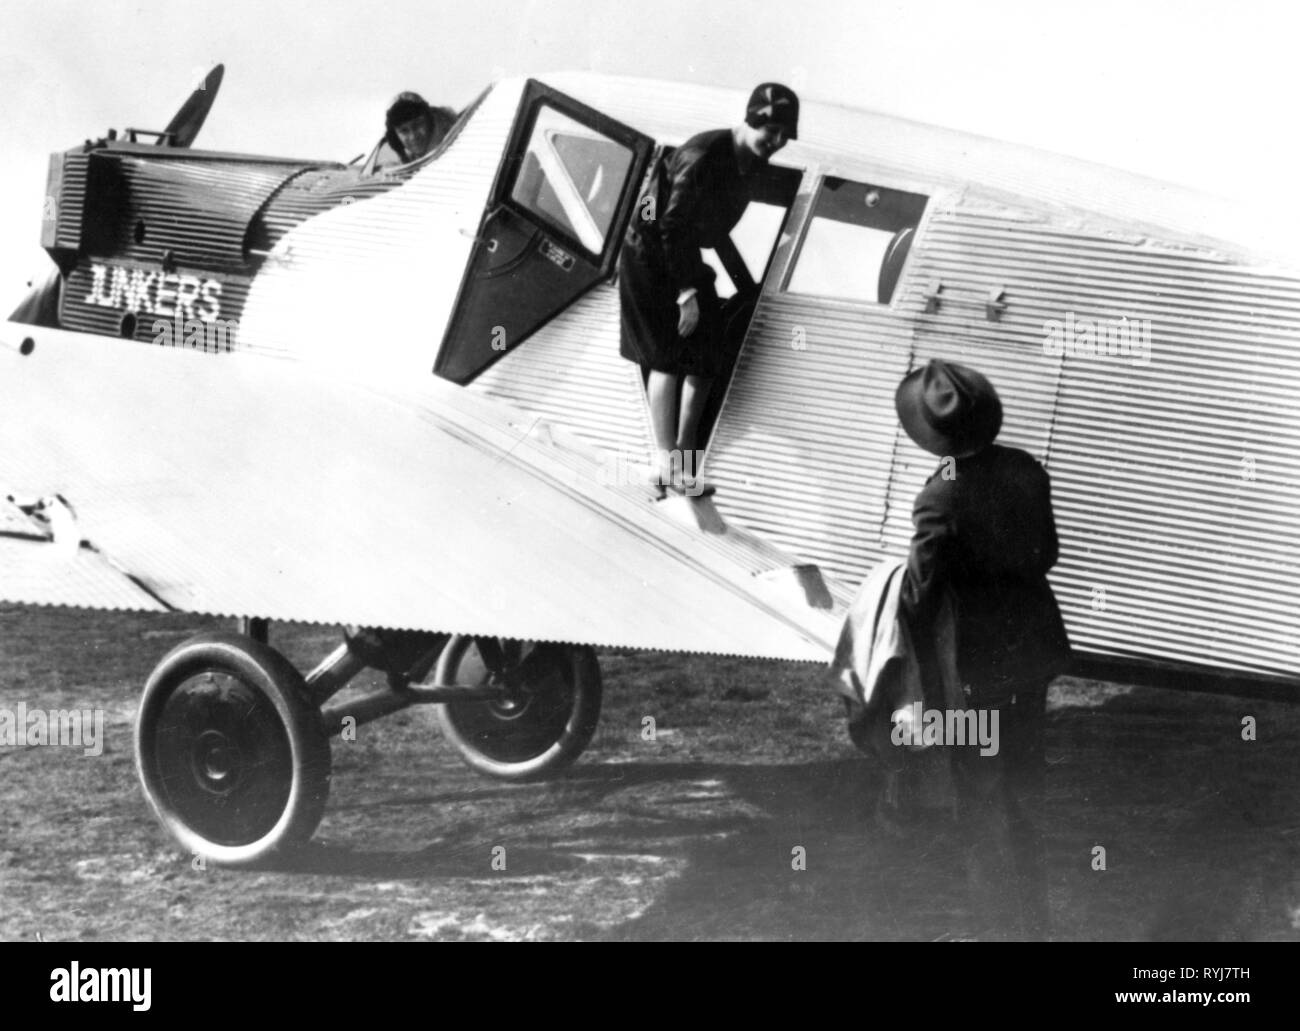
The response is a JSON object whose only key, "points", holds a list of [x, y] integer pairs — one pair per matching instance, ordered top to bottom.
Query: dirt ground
{"points": [[689, 836]]}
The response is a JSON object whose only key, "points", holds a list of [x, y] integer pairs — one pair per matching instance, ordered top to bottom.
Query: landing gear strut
{"points": [[542, 715], [232, 742]]}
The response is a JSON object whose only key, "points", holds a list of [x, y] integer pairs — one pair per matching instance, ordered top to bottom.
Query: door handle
{"points": [[489, 242]]}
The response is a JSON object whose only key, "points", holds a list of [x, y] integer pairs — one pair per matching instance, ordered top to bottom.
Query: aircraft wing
{"points": [[242, 484]]}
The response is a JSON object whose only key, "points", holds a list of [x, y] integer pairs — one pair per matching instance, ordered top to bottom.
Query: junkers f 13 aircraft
{"points": [[392, 399]]}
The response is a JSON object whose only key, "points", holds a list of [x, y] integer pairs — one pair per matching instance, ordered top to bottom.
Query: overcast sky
{"points": [[1199, 93]]}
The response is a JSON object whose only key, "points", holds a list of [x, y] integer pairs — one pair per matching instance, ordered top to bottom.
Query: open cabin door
{"points": [[551, 230]]}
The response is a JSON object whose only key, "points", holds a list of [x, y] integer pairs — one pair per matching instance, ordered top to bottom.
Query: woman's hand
{"points": [[688, 315]]}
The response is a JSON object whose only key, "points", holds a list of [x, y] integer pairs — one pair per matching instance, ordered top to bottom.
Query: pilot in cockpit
{"points": [[413, 127]]}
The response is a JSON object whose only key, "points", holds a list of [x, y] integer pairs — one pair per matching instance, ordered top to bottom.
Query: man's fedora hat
{"points": [[948, 409]]}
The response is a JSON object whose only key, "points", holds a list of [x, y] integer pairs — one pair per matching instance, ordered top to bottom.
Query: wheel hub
{"points": [[514, 697], [232, 754], [223, 757], [217, 760]]}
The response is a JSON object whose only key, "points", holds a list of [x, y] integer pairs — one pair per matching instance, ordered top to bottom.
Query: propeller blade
{"points": [[184, 127]]}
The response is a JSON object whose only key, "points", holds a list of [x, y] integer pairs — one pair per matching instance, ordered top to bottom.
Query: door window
{"points": [[571, 178], [563, 193]]}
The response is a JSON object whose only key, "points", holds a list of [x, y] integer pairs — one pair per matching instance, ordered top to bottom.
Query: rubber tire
{"points": [[269, 684], [496, 744]]}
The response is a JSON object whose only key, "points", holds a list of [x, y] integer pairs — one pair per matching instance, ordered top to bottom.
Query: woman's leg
{"points": [[661, 389], [695, 395]]}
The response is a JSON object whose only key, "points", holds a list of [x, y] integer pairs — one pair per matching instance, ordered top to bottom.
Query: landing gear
{"points": [[540, 718], [232, 742], [232, 756]]}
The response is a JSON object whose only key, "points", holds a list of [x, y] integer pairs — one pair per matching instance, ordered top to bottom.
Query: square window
{"points": [[857, 242]]}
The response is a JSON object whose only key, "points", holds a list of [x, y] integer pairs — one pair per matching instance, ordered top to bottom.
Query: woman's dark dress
{"points": [[699, 196]]}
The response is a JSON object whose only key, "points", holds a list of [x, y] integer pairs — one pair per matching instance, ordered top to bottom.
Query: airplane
{"points": [[388, 396]]}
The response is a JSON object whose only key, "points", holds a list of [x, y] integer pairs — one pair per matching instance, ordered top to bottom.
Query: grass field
{"points": [[690, 836]]}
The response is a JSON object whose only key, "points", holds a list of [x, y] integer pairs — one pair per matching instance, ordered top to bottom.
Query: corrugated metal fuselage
{"points": [[1174, 446], [1174, 458], [1173, 466]]}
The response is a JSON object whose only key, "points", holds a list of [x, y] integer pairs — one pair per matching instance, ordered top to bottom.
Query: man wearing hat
{"points": [[413, 127], [671, 317], [984, 529]]}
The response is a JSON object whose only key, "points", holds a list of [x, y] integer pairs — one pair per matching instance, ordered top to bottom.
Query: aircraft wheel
{"points": [[545, 717], [232, 757]]}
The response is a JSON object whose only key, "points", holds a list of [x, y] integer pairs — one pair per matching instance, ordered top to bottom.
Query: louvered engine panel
{"points": [[65, 201], [199, 211]]}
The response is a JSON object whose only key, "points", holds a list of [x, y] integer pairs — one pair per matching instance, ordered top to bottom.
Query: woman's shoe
{"points": [[659, 484], [694, 487]]}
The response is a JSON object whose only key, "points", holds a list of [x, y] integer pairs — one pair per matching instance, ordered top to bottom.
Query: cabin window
{"points": [[571, 178], [754, 236], [857, 242]]}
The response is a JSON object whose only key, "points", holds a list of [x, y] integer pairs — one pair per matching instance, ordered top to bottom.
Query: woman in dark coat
{"points": [[671, 316]]}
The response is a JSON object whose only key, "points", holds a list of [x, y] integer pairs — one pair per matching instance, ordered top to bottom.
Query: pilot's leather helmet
{"points": [[404, 107]]}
